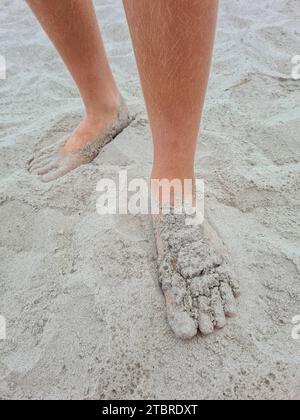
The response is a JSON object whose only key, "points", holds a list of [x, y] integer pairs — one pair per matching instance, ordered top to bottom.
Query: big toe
{"points": [[182, 324]]}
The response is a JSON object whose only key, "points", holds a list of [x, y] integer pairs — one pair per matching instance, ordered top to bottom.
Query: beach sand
{"points": [[85, 314]]}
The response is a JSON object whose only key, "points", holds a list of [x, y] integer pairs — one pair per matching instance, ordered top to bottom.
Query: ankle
{"points": [[106, 108], [171, 174], [180, 186]]}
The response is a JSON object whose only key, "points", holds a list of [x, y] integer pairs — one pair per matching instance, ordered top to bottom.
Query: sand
{"points": [[85, 314]]}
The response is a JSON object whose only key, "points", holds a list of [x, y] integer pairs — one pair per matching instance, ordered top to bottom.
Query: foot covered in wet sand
{"points": [[81, 147], [200, 289]]}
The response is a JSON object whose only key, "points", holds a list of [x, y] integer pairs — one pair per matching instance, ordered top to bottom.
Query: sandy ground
{"points": [[85, 315]]}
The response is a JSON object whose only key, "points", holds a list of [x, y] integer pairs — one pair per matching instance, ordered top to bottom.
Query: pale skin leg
{"points": [[72, 27], [173, 42]]}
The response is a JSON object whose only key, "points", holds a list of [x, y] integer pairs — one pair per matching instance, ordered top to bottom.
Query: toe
{"points": [[47, 151], [39, 157], [35, 163], [38, 163], [62, 167], [35, 168], [46, 168], [227, 275], [234, 284], [229, 302], [217, 308], [182, 324], [206, 326]]}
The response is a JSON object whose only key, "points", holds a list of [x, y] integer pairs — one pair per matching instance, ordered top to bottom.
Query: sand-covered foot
{"points": [[83, 146], [194, 271]]}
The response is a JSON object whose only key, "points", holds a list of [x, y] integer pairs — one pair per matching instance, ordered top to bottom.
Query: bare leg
{"points": [[72, 26], [173, 41]]}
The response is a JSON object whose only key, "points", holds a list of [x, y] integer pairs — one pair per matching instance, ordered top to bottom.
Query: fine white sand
{"points": [[85, 315]]}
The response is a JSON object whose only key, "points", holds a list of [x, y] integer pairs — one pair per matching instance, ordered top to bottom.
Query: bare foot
{"points": [[83, 146], [194, 272]]}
